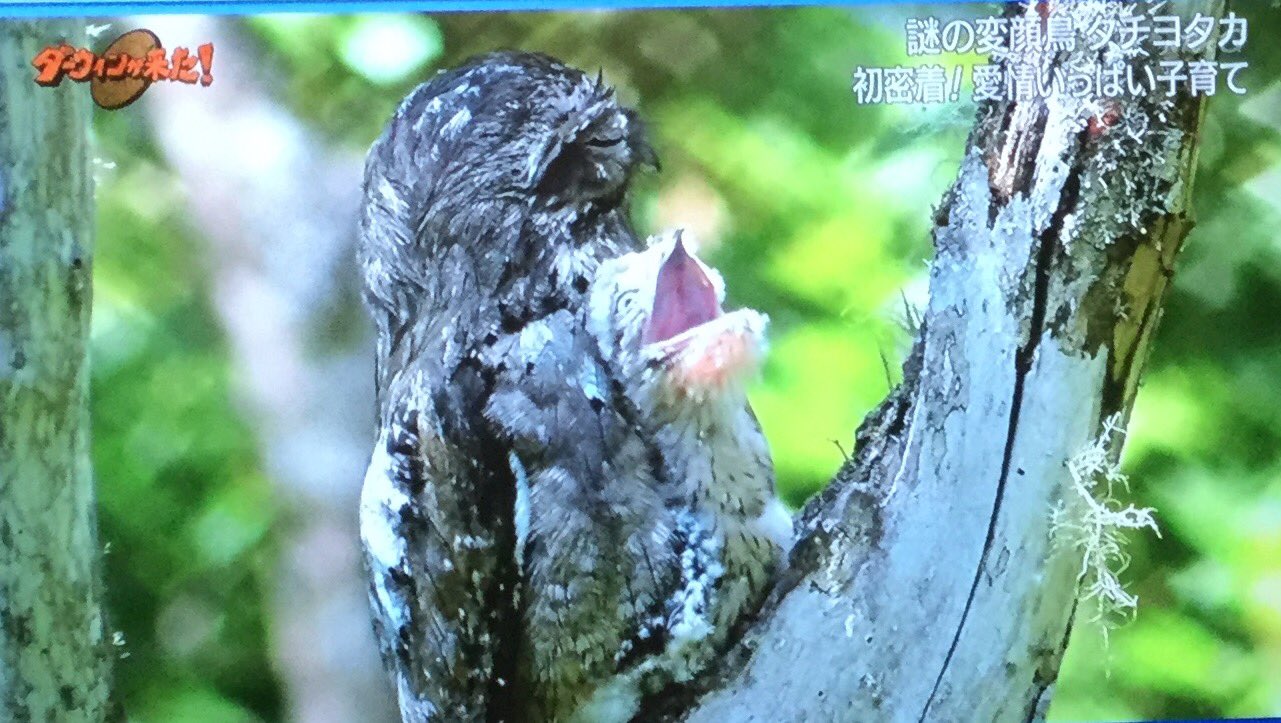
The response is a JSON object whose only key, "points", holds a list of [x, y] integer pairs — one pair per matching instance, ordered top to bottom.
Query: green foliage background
{"points": [[819, 211]]}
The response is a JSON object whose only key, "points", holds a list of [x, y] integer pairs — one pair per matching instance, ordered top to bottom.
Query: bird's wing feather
{"points": [[589, 502], [438, 535]]}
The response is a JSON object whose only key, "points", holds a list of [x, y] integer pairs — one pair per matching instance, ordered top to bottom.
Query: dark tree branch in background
{"points": [[278, 207], [928, 584], [55, 654]]}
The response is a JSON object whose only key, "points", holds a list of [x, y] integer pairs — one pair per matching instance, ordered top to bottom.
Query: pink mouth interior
{"points": [[683, 298]]}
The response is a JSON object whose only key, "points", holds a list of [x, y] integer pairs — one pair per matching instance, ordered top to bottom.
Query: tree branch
{"points": [[927, 583]]}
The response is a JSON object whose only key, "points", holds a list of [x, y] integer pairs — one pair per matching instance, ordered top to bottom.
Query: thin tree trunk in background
{"points": [[278, 207], [928, 583], [55, 661]]}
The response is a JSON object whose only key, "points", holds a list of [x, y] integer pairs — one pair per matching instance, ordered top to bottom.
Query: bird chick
{"points": [[683, 362]]}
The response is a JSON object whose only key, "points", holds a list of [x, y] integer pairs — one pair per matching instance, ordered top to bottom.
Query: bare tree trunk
{"points": [[281, 232], [927, 584], [54, 655]]}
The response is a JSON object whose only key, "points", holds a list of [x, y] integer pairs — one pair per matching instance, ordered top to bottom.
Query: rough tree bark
{"points": [[927, 584], [54, 651]]}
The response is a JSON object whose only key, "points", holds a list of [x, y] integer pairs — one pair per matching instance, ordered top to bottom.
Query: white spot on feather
{"points": [[455, 124], [380, 503], [522, 506], [775, 523]]}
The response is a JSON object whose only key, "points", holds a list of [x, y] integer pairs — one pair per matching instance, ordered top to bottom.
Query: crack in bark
{"points": [[1049, 242], [1067, 273]]}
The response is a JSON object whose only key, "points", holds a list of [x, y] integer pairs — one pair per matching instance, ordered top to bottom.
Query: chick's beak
{"points": [[684, 297]]}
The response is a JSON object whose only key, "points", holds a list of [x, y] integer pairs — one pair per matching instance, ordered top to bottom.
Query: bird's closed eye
{"points": [[603, 142]]}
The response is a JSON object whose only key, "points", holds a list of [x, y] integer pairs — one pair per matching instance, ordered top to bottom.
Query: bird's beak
{"points": [[638, 143], [646, 155]]}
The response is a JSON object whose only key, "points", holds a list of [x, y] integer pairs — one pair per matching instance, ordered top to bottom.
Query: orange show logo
{"points": [[120, 74]]}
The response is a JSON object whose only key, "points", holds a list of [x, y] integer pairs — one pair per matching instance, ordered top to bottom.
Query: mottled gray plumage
{"points": [[683, 363], [529, 549]]}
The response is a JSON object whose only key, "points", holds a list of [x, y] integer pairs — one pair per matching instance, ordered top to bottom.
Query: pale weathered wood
{"points": [[928, 585], [55, 649]]}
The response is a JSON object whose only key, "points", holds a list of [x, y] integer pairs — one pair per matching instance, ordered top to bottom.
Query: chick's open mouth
{"points": [[684, 298], [688, 333]]}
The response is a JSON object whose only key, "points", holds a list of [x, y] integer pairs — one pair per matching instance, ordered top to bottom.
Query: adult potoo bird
{"points": [[514, 532]]}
